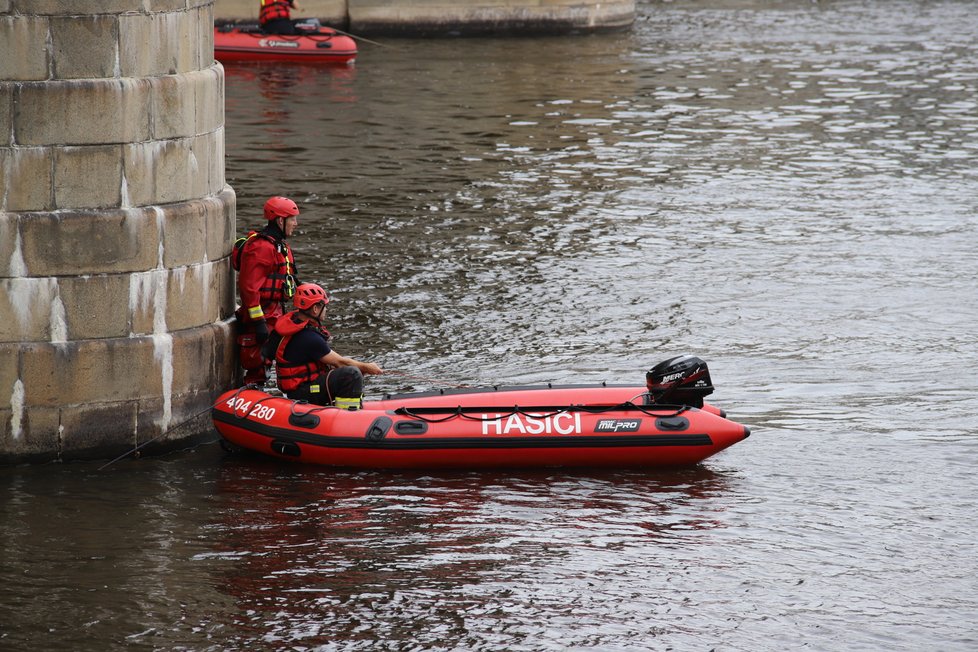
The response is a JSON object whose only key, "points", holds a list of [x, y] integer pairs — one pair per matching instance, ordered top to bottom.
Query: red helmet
{"points": [[280, 207], [308, 295]]}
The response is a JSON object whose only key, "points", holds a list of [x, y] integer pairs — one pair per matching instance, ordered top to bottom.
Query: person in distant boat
{"points": [[274, 16], [266, 281], [308, 368]]}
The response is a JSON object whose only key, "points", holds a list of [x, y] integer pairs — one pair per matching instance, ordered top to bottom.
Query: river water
{"points": [[786, 189]]}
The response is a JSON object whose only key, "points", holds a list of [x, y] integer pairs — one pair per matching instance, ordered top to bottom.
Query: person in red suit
{"points": [[274, 16], [266, 281]]}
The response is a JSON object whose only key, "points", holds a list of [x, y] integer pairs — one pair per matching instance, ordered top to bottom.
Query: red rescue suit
{"points": [[273, 10], [266, 280]]}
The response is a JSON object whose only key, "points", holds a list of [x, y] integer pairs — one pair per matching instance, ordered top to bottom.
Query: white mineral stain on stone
{"points": [[125, 191], [16, 266], [148, 291], [28, 298], [59, 324], [163, 352], [17, 409]]}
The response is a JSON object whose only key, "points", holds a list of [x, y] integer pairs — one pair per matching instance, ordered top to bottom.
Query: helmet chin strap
{"points": [[319, 318]]}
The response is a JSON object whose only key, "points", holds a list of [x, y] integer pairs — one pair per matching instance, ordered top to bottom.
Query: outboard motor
{"points": [[683, 380]]}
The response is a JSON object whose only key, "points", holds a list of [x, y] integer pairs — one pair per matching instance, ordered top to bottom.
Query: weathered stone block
{"points": [[205, 35], [158, 44], [84, 46], [23, 56], [209, 94], [173, 108], [6, 110], [83, 112], [207, 164], [158, 172], [88, 177], [25, 179], [217, 179], [221, 230], [185, 233], [90, 242], [11, 259], [226, 289], [148, 295], [197, 295], [95, 306], [31, 308], [204, 359], [93, 371], [9, 373], [96, 430], [33, 435]]}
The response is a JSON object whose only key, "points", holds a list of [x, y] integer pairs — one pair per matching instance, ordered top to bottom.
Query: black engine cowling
{"points": [[682, 380]]}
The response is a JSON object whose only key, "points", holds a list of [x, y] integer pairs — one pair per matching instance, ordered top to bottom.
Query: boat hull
{"points": [[328, 46], [518, 428]]}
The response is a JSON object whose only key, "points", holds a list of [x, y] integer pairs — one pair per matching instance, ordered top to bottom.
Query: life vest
{"points": [[273, 10], [280, 284], [293, 374]]}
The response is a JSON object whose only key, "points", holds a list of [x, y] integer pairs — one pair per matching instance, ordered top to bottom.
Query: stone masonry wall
{"points": [[451, 17], [115, 225]]}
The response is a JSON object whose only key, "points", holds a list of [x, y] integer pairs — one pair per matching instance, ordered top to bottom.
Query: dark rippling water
{"points": [[787, 189]]}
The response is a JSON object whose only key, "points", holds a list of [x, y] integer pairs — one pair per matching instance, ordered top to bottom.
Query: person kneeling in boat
{"points": [[274, 16], [308, 368]]}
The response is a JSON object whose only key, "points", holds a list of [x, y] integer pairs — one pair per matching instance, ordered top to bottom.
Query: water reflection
{"points": [[315, 556]]}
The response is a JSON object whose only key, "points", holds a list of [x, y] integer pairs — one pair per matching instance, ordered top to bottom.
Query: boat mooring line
{"points": [[361, 38], [437, 381], [163, 434]]}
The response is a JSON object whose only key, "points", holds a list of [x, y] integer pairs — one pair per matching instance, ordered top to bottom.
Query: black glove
{"points": [[261, 331]]}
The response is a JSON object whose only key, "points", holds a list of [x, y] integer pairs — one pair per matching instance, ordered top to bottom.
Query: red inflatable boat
{"points": [[248, 43], [537, 426]]}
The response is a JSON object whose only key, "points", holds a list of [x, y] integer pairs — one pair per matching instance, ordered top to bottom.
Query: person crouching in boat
{"points": [[274, 16], [308, 367]]}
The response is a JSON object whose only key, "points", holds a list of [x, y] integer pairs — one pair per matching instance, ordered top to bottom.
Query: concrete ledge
{"points": [[487, 17], [417, 18]]}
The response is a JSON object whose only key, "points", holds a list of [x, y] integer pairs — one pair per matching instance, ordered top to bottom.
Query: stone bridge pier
{"points": [[115, 226]]}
